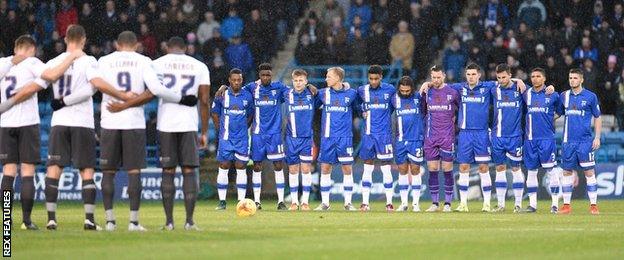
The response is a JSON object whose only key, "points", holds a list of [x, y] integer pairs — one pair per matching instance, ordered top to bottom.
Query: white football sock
{"points": [[387, 180], [293, 182], [367, 182], [222, 183], [241, 183], [501, 187], [403, 188]]}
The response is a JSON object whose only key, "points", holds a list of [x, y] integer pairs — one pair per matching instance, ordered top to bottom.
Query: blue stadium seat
{"points": [[614, 138]]}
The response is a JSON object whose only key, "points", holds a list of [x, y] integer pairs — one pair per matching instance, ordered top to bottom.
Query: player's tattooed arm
{"points": [[52, 74], [204, 104]]}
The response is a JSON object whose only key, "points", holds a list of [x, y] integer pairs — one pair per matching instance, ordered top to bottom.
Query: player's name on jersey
{"points": [[123, 64], [179, 66]]}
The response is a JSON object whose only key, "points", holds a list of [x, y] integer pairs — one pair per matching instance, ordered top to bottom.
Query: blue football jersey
{"points": [[376, 102], [475, 104], [267, 106], [508, 106], [300, 108], [233, 110], [579, 110], [337, 111], [409, 117], [540, 117]]}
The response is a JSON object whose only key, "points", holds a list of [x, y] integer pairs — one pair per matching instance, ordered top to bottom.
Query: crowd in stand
{"points": [[377, 32], [221, 33], [556, 35]]}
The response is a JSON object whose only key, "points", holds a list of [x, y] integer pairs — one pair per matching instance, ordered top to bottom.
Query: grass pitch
{"points": [[329, 235]]}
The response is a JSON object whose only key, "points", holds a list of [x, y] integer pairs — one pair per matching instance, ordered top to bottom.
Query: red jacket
{"points": [[64, 19]]}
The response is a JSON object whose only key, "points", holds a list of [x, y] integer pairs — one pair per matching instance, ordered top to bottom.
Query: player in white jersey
{"points": [[19, 122], [177, 125], [72, 136], [122, 137]]}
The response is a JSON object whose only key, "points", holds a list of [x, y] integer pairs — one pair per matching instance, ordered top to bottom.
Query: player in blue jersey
{"points": [[301, 104], [338, 104], [579, 106], [232, 114], [266, 131], [506, 136], [376, 139], [408, 141], [473, 142], [539, 143]]}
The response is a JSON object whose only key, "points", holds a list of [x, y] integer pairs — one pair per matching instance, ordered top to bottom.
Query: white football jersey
{"points": [[126, 71], [183, 74], [77, 77], [27, 112]]}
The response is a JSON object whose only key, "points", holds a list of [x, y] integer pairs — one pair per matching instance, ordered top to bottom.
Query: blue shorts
{"points": [[376, 146], [473, 146], [267, 147], [504, 148], [233, 150], [298, 150], [336, 150], [412, 150], [539, 152], [577, 156]]}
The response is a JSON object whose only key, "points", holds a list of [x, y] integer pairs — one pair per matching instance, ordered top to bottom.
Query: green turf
{"points": [[336, 234]]}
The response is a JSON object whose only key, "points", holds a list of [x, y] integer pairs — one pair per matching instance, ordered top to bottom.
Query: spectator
{"points": [[359, 8], [173, 9], [132, 10], [398, 10], [330, 11], [580, 11], [152, 12], [190, 12], [532, 12], [493, 13], [381, 14], [618, 15], [66, 16], [598, 17], [87, 19], [110, 21], [126, 25], [232, 25], [356, 25], [179, 27], [162, 28], [12, 29], [314, 29], [337, 31], [204, 32], [255, 33], [569, 35], [605, 38], [148, 41], [216, 42], [377, 46], [402, 46], [358, 48], [191, 50], [585, 51], [334, 52], [307, 53], [497, 54], [239, 56], [477, 56], [536, 58], [454, 59], [218, 71], [555, 74], [589, 75], [608, 92], [619, 111]]}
